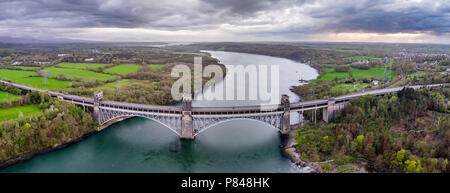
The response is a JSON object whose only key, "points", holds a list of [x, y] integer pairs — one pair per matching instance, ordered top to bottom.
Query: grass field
{"points": [[191, 53], [359, 58], [81, 65], [155, 66], [123, 69], [373, 72], [78, 73], [357, 73], [15, 74], [331, 75], [23, 77], [124, 82], [114, 85], [350, 87], [4, 96], [13, 113]]}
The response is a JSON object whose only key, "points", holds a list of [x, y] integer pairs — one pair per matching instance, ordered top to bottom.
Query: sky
{"points": [[405, 21]]}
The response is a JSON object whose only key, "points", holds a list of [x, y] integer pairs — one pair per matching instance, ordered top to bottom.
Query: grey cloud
{"points": [[61, 16], [373, 18]]}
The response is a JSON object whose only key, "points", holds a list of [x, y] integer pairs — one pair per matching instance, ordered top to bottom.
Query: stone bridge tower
{"points": [[98, 97], [333, 110], [329, 112], [286, 117], [187, 124]]}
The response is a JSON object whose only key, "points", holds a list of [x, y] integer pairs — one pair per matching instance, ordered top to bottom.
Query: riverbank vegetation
{"points": [[37, 121], [408, 131]]}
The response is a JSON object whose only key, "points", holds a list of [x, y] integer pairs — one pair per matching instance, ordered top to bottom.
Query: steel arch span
{"points": [[171, 121], [203, 123]]}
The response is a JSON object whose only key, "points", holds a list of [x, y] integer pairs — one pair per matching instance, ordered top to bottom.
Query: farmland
{"points": [[361, 58], [81, 65], [155, 66], [123, 69], [377, 72], [77, 73], [31, 78], [114, 85], [350, 87], [4, 96], [14, 112]]}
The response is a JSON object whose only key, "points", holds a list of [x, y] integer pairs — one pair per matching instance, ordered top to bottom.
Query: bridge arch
{"points": [[153, 119], [234, 119]]}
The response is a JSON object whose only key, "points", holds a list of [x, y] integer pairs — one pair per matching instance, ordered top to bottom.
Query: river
{"points": [[142, 145]]}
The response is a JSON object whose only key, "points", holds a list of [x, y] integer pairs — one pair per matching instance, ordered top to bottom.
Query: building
{"points": [[375, 82]]}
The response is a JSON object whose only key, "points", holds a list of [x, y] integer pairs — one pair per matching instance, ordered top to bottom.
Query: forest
{"points": [[408, 131]]}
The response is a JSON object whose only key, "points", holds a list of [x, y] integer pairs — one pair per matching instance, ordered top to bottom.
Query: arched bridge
{"points": [[187, 121]]}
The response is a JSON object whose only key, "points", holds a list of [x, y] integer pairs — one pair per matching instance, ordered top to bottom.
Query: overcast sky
{"points": [[228, 20]]}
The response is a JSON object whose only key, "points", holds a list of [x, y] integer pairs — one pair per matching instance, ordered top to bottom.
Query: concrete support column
{"points": [[98, 97], [329, 112], [286, 117], [187, 122]]}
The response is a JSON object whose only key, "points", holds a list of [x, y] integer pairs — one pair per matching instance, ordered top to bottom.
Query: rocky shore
{"points": [[289, 151]]}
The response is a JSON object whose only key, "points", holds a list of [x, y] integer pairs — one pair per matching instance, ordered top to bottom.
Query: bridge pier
{"points": [[98, 97], [333, 110], [328, 112], [286, 117], [187, 121]]}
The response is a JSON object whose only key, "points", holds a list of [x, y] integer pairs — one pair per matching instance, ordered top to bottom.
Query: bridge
{"points": [[188, 121]]}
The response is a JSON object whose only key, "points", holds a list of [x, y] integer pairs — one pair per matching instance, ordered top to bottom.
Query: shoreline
{"points": [[289, 151], [32, 154]]}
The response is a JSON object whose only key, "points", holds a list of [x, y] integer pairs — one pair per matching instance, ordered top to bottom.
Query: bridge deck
{"points": [[297, 106]]}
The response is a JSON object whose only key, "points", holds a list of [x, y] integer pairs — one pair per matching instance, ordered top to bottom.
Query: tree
{"points": [[360, 140]]}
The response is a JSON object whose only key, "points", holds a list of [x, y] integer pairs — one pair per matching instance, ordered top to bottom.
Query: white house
{"points": [[375, 82]]}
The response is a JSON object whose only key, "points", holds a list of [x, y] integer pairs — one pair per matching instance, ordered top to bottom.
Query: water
{"points": [[142, 145]]}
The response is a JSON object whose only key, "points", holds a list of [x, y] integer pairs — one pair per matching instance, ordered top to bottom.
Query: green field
{"points": [[191, 53], [359, 58], [81, 65], [155, 66], [123, 69], [78, 73], [357, 73], [15, 74], [331, 75], [24, 77], [124, 82], [114, 85], [350, 87], [4, 96], [13, 113]]}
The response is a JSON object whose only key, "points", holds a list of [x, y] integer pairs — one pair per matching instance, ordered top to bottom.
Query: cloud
{"points": [[221, 19]]}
